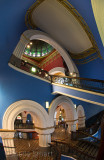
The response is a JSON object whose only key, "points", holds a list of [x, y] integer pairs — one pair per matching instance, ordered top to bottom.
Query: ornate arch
{"points": [[26, 105], [71, 115]]}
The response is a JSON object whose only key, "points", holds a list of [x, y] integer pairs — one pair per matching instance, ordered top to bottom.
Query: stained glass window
{"points": [[38, 48]]}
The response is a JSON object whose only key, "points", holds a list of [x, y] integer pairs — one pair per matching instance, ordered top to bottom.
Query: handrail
{"points": [[88, 79], [78, 82], [24, 126], [7, 130], [89, 135], [74, 147], [57, 151]]}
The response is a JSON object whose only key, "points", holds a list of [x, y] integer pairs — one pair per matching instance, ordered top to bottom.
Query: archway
{"points": [[38, 35], [70, 111], [81, 116], [42, 121]]}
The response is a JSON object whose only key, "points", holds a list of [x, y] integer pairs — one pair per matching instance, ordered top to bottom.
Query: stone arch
{"points": [[39, 35], [25, 105], [57, 113], [71, 115], [81, 116], [42, 126]]}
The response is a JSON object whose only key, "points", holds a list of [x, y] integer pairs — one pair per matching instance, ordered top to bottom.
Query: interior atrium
{"points": [[52, 80]]}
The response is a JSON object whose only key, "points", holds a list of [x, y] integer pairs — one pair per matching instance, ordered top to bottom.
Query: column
{"points": [[44, 135], [44, 139], [8, 143]]}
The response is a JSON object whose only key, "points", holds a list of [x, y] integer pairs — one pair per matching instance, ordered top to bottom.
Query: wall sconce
{"points": [[33, 69], [47, 104], [75, 106]]}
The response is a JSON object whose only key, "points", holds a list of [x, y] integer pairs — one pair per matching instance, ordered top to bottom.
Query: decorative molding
{"points": [[69, 7], [75, 13], [25, 105], [82, 117], [71, 120], [44, 128]]}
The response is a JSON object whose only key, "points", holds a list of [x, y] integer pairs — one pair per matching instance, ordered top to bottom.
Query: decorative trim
{"points": [[70, 8], [75, 13], [28, 20], [83, 54], [48, 59], [86, 60], [82, 117], [71, 120], [44, 128], [7, 130]]}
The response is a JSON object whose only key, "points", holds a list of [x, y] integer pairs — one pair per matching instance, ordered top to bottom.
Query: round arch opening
{"points": [[65, 103]]}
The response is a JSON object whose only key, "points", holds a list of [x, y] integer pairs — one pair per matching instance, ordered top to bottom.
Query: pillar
{"points": [[44, 135], [44, 139], [8, 143]]}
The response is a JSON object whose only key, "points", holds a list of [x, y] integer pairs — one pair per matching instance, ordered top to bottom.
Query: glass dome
{"points": [[38, 48]]}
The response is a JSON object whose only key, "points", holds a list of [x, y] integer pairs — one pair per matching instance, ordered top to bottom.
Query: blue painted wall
{"points": [[93, 69], [15, 86], [90, 109]]}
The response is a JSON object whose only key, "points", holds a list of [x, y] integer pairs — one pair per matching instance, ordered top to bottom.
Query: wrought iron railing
{"points": [[34, 70], [76, 82], [81, 83], [24, 126], [73, 150]]}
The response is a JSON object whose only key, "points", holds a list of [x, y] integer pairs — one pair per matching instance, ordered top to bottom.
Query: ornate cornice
{"points": [[92, 52]]}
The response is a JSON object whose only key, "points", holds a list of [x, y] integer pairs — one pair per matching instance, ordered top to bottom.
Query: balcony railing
{"points": [[76, 82], [81, 83], [24, 126]]}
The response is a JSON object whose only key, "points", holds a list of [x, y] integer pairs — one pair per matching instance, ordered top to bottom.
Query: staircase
{"points": [[88, 90], [89, 148], [83, 150]]}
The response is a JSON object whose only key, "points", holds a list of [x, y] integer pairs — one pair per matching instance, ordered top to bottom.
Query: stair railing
{"points": [[81, 83], [73, 150]]}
